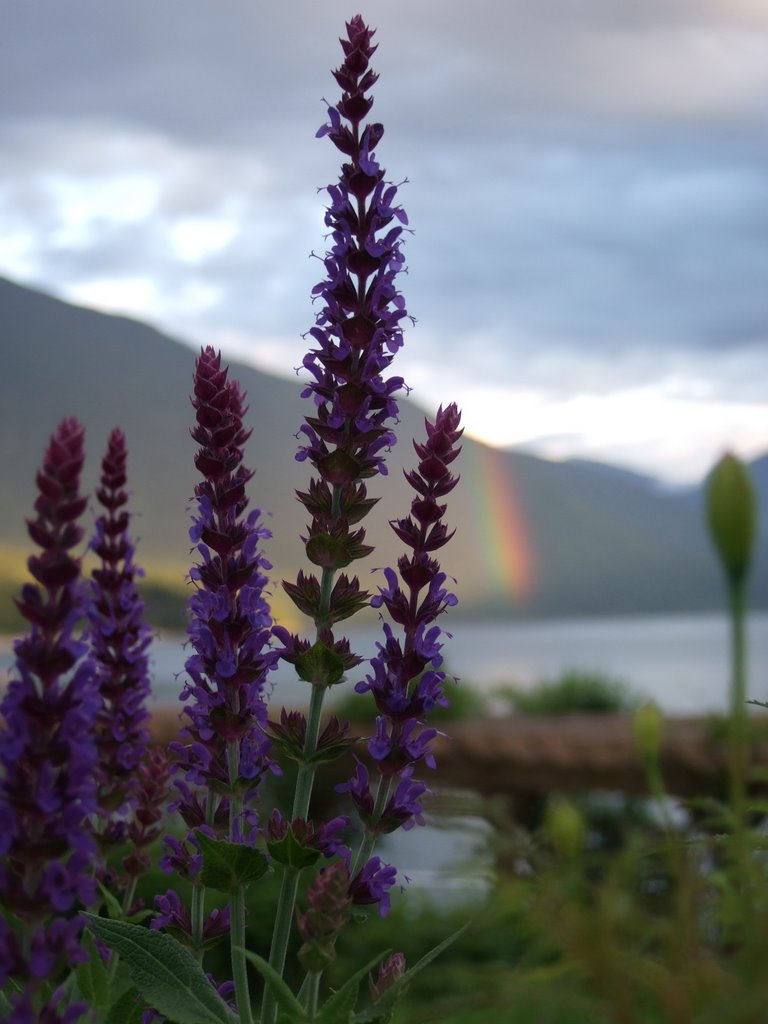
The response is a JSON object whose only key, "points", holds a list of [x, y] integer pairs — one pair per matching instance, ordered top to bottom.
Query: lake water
{"points": [[680, 661]]}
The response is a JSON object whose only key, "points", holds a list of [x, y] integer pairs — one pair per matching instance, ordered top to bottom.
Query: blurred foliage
{"points": [[575, 691], [659, 926]]}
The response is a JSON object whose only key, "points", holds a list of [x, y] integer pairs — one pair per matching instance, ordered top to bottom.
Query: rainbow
{"points": [[506, 548]]}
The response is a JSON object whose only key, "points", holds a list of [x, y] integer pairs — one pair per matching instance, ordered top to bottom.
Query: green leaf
{"points": [[292, 853], [227, 866], [114, 908], [140, 915], [433, 954], [165, 973], [92, 978], [284, 998], [343, 1004], [129, 1008], [338, 1008], [382, 1008]]}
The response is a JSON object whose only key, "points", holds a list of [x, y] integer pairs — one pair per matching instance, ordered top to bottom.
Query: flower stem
{"points": [[738, 739], [306, 775], [301, 799], [368, 841], [237, 896], [197, 899], [114, 958], [312, 993]]}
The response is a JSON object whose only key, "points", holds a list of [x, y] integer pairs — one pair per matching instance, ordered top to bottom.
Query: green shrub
{"points": [[576, 691]]}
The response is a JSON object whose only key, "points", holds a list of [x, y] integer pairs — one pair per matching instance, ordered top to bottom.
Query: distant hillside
{"points": [[533, 537]]}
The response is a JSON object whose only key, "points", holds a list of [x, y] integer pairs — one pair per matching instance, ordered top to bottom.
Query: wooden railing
{"points": [[520, 755]]}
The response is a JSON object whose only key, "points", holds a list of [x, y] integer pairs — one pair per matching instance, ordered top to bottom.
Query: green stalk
{"points": [[739, 751], [305, 778], [301, 800], [368, 841], [237, 897], [197, 899], [114, 959], [312, 993]]}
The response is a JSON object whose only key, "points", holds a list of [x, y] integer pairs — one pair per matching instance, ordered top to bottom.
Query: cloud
{"points": [[585, 180]]}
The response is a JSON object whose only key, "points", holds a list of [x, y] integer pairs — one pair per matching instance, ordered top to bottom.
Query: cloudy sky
{"points": [[587, 187]]}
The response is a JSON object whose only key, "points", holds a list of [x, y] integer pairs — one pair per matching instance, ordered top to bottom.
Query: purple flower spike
{"points": [[356, 333], [230, 618], [119, 640], [406, 678], [47, 751]]}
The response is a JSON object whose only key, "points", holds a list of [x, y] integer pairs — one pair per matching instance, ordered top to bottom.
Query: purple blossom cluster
{"points": [[359, 327], [357, 332], [230, 621], [119, 639], [406, 678], [48, 753], [76, 767], [330, 895]]}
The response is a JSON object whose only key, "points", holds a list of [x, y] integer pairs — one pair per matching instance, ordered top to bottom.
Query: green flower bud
{"points": [[731, 514], [320, 665], [648, 725], [566, 829]]}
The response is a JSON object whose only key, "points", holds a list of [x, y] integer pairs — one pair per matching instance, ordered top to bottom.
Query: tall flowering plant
{"points": [[119, 639], [48, 755], [89, 768]]}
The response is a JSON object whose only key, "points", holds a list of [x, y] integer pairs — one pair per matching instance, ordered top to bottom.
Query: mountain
{"points": [[534, 537]]}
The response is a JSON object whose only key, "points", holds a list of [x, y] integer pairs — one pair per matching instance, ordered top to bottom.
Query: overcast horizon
{"points": [[587, 188]]}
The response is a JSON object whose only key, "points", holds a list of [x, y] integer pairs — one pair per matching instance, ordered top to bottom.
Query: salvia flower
{"points": [[356, 333], [230, 618], [119, 641], [406, 678], [47, 750], [402, 809], [145, 824], [371, 885], [328, 900]]}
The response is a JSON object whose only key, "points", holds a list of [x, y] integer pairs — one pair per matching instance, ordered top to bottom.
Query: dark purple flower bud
{"points": [[230, 618], [119, 641], [406, 677], [47, 751], [145, 825], [328, 900], [390, 971]]}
